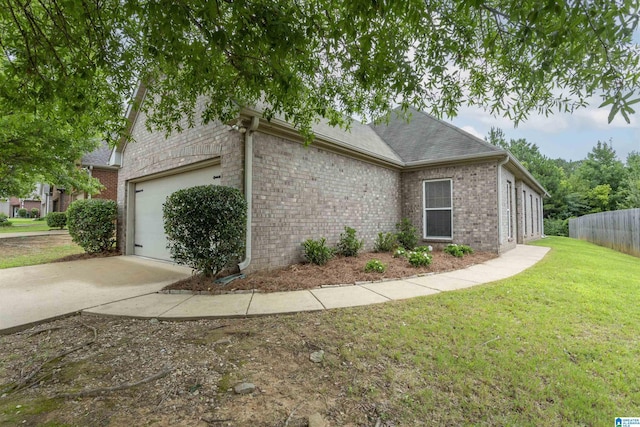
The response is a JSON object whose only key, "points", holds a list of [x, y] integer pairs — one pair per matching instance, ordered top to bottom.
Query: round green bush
{"points": [[22, 213], [35, 213], [4, 220], [57, 220], [92, 224], [205, 227], [349, 245], [317, 252], [419, 259], [374, 266]]}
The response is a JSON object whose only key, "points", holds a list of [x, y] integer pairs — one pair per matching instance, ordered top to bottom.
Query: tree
{"points": [[315, 58], [602, 168], [633, 180]]}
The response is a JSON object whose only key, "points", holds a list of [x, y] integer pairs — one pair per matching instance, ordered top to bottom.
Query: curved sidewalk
{"points": [[163, 306]]}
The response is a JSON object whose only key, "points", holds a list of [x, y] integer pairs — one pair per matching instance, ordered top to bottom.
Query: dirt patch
{"points": [[27, 245], [77, 257], [340, 270]]}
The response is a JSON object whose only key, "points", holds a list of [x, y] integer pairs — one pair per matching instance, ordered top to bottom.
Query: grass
{"points": [[25, 224], [20, 254], [555, 345]]}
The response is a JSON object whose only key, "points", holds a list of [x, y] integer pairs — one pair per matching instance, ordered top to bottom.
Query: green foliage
{"points": [[334, 59], [22, 213], [34, 213], [4, 220], [57, 220], [92, 224], [205, 227], [556, 227], [407, 234], [385, 242], [349, 245], [425, 249], [458, 250], [317, 252], [400, 252], [418, 259], [375, 266]]}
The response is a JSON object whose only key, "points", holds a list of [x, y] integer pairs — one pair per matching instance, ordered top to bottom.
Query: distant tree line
{"points": [[598, 183]]}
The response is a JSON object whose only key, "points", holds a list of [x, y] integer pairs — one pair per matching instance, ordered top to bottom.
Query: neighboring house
{"points": [[96, 163], [454, 187], [17, 203]]}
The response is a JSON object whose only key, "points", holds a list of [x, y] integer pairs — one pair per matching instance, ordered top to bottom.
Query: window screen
{"points": [[438, 213]]}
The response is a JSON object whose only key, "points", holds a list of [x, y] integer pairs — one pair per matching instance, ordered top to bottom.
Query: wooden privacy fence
{"points": [[619, 230]]}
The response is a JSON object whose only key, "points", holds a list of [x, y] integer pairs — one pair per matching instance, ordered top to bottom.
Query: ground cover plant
{"points": [[554, 345]]}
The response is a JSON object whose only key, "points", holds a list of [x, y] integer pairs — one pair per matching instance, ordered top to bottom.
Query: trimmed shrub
{"points": [[22, 213], [35, 213], [4, 220], [57, 220], [92, 224], [205, 227], [556, 227], [407, 234], [385, 242], [349, 245], [458, 250], [317, 252], [419, 259], [374, 266]]}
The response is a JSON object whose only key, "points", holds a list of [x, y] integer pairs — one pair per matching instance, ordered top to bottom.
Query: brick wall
{"points": [[151, 152], [108, 178], [305, 192], [475, 216]]}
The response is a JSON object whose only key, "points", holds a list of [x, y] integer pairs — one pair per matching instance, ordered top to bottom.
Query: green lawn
{"points": [[25, 224], [43, 256], [556, 345]]}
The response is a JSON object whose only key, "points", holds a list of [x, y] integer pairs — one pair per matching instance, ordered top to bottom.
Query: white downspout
{"points": [[248, 187], [500, 232]]}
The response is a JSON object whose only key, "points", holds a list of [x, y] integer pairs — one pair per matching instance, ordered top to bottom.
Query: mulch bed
{"points": [[78, 257], [338, 271]]}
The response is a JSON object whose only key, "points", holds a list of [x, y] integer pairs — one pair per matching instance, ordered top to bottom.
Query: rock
{"points": [[153, 321], [223, 341], [317, 356], [244, 388], [316, 420]]}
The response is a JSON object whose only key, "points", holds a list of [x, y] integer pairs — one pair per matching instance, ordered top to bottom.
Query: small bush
{"points": [[22, 213], [35, 213], [4, 220], [57, 220], [92, 224], [205, 227], [556, 227], [406, 234], [385, 242], [349, 245], [425, 249], [458, 250], [317, 252], [399, 253], [419, 259], [374, 266]]}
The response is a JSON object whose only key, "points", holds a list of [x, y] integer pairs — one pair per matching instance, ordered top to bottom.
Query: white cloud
{"points": [[472, 131]]}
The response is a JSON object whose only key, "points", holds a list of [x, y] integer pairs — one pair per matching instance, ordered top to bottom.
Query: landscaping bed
{"points": [[338, 271]]}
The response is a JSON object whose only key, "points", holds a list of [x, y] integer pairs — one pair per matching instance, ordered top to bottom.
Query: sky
{"points": [[567, 136]]}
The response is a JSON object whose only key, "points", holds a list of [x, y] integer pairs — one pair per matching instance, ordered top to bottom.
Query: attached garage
{"points": [[147, 237]]}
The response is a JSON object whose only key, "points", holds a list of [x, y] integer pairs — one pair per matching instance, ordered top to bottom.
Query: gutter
{"points": [[248, 188], [500, 232]]}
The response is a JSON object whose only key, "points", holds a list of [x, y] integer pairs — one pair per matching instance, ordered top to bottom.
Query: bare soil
{"points": [[31, 244], [338, 271]]}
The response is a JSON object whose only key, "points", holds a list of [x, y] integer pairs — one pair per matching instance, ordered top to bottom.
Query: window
{"points": [[531, 205], [438, 209], [524, 213], [538, 215]]}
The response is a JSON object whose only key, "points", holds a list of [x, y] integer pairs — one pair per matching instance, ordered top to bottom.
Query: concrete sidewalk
{"points": [[31, 233], [30, 295], [186, 306]]}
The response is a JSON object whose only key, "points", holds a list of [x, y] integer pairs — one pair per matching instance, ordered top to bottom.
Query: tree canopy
{"points": [[308, 58]]}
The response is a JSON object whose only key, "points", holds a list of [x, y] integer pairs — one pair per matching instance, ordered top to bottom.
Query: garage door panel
{"points": [[149, 237]]}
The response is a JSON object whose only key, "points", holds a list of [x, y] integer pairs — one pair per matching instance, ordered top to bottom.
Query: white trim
{"points": [[425, 209]]}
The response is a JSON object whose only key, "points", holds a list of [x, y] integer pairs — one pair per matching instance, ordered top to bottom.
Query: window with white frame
{"points": [[438, 209]]}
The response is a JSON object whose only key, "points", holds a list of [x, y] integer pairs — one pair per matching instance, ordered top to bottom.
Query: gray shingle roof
{"points": [[426, 138], [98, 157]]}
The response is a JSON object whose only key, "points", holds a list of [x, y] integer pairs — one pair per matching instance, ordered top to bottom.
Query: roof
{"points": [[424, 137], [98, 157]]}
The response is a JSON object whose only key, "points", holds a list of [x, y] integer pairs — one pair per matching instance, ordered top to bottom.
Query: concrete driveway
{"points": [[30, 295]]}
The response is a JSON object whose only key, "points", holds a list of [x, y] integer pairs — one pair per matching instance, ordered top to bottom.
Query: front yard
{"points": [[25, 224], [32, 250], [555, 345]]}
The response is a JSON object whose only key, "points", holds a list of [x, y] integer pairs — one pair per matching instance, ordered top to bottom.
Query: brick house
{"points": [[96, 163], [453, 186]]}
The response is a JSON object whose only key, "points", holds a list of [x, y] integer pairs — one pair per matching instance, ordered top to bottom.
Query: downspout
{"points": [[248, 187], [500, 231]]}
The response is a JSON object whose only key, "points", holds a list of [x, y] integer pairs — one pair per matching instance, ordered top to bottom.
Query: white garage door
{"points": [[149, 238]]}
